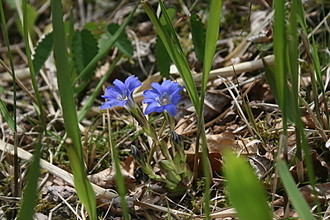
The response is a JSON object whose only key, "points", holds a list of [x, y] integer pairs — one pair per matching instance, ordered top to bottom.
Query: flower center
{"points": [[121, 97], [164, 99]]}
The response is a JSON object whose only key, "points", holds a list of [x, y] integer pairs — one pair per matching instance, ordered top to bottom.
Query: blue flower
{"points": [[121, 94], [162, 97]]}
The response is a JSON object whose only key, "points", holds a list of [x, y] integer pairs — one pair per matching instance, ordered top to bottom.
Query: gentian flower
{"points": [[121, 94], [162, 97]]}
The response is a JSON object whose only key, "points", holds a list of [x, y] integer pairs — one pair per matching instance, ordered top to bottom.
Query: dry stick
{"points": [[239, 68], [21, 74], [67, 177]]}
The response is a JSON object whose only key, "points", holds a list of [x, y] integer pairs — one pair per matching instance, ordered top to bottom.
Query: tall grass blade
{"points": [[212, 33], [169, 38], [279, 52], [3, 109], [6, 115], [11, 120], [73, 142], [120, 182], [30, 192], [245, 192], [295, 196]]}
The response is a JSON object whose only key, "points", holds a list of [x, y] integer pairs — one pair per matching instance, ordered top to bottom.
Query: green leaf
{"points": [[171, 14], [97, 29], [198, 36], [123, 43], [107, 44], [173, 47], [84, 48], [42, 51], [280, 53], [163, 60], [317, 65], [5, 113], [74, 147], [245, 192], [30, 193], [295, 196]]}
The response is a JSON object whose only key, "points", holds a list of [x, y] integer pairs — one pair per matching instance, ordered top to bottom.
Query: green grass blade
{"points": [[212, 33], [107, 46], [174, 50], [279, 51], [3, 109], [6, 115], [74, 147], [120, 182], [16, 191], [245, 192], [30, 193], [295, 196]]}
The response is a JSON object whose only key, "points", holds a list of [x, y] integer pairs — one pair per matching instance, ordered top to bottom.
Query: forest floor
{"points": [[240, 113]]}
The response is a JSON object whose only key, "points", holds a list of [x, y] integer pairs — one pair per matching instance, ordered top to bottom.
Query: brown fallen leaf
{"points": [[216, 143], [107, 178]]}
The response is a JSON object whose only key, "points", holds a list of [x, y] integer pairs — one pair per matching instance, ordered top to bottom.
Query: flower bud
{"points": [[175, 137], [137, 154]]}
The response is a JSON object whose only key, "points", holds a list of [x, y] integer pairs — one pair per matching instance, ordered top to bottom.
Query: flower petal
{"points": [[131, 83], [119, 86], [157, 88], [174, 88], [150, 94], [175, 98], [148, 101], [109, 104], [153, 107], [171, 109]]}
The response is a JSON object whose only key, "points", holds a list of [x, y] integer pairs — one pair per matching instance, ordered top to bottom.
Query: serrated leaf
{"points": [[95, 28], [198, 36], [123, 43], [84, 48], [42, 51], [163, 60]]}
